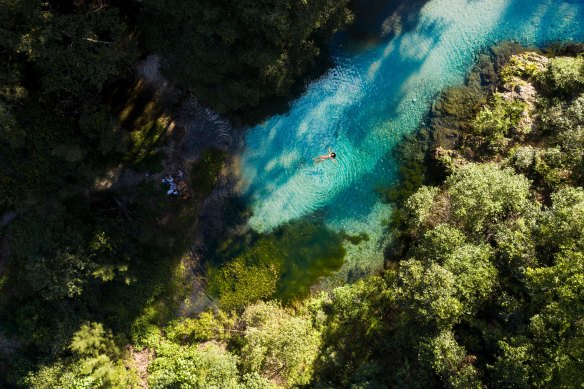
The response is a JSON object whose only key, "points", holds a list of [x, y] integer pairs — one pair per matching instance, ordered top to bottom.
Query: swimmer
{"points": [[331, 155]]}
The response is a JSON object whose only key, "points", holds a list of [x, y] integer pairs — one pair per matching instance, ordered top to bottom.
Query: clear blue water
{"points": [[365, 103]]}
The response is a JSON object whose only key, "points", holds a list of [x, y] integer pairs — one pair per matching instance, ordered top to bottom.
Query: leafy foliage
{"points": [[253, 51], [78, 53], [521, 66], [566, 74], [495, 121], [482, 195], [492, 255], [487, 289], [428, 294], [207, 326], [278, 345], [450, 361], [96, 363], [193, 367]]}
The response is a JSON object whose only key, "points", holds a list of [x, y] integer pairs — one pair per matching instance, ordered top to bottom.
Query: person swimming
{"points": [[331, 155]]}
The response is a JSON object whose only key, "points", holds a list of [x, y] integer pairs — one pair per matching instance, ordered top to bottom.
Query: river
{"points": [[374, 94]]}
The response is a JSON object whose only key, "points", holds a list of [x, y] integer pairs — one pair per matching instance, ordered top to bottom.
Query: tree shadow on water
{"points": [[376, 20]]}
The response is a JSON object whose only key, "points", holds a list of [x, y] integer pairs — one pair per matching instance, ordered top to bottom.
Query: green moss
{"points": [[459, 104], [411, 178], [356, 239], [310, 251], [282, 265], [247, 278]]}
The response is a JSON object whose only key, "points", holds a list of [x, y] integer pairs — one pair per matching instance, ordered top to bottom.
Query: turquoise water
{"points": [[365, 103]]}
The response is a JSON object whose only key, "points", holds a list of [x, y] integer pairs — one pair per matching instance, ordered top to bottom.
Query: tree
{"points": [[77, 53], [233, 55], [566, 75], [482, 195], [418, 207], [562, 225], [439, 243], [516, 243], [50, 255], [469, 263], [475, 274], [428, 295], [356, 317], [557, 328], [278, 345], [98, 354], [450, 361], [96, 363], [193, 367], [512, 367]]}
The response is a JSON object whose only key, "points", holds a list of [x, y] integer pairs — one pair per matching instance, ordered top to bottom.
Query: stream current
{"points": [[368, 101]]}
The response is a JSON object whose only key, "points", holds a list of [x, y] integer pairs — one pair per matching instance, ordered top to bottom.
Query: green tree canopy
{"points": [[78, 53], [235, 54], [566, 74], [482, 195], [428, 294], [279, 345], [451, 362], [95, 363], [193, 367]]}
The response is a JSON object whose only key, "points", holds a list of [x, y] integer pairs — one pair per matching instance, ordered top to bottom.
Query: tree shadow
{"points": [[376, 20]]}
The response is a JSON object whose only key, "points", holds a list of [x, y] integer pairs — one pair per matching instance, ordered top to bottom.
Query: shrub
{"points": [[523, 66], [566, 75], [494, 122], [523, 158], [549, 164], [483, 195], [418, 207], [206, 327], [278, 345], [193, 367]]}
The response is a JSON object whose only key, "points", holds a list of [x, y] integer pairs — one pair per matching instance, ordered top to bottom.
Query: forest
{"points": [[483, 279]]}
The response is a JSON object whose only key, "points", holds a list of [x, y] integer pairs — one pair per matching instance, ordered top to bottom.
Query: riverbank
{"points": [[429, 155], [487, 279], [486, 283]]}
